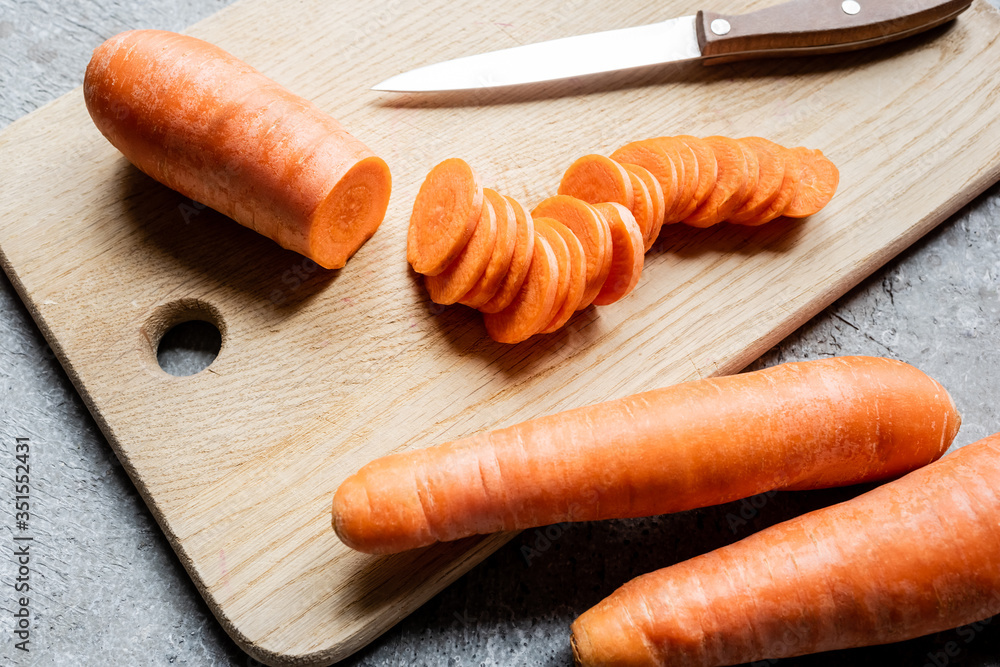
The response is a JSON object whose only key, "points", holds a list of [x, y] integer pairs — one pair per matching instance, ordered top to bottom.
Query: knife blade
{"points": [[791, 29]]}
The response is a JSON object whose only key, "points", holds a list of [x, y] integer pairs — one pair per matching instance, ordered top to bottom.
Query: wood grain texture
{"points": [[321, 371]]}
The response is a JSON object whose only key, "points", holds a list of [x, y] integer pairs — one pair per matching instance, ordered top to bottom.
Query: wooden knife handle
{"points": [[807, 27]]}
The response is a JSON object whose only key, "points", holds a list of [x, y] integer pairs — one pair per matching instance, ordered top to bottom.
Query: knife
{"points": [[794, 28]]}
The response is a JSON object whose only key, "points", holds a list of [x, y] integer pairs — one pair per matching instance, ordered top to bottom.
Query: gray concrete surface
{"points": [[106, 589]]}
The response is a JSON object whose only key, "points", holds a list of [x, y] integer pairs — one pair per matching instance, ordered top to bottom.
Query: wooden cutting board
{"points": [[321, 371]]}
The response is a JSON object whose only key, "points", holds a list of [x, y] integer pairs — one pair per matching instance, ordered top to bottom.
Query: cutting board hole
{"points": [[185, 336], [189, 347]]}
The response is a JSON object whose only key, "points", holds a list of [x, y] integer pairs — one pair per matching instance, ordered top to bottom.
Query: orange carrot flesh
{"points": [[206, 124], [771, 158], [687, 162], [664, 164], [708, 169], [595, 178], [752, 181], [730, 184], [817, 184], [789, 185], [656, 198], [642, 209], [445, 214], [545, 228], [592, 230], [524, 247], [503, 251], [627, 254], [462, 274], [576, 274], [530, 310], [809, 424], [915, 556]]}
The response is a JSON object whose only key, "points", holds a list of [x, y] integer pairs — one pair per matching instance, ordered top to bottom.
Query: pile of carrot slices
{"points": [[529, 272]]}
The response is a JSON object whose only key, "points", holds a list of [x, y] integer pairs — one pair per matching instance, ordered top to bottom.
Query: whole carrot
{"points": [[208, 125], [801, 425], [915, 556]]}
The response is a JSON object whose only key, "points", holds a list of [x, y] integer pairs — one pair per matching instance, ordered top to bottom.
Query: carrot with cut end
{"points": [[206, 124], [771, 158], [708, 170], [595, 178], [817, 184], [789, 185], [656, 198], [445, 213], [592, 230], [524, 247], [503, 252], [627, 254], [576, 271], [462, 275], [532, 306], [801, 425], [915, 556]]}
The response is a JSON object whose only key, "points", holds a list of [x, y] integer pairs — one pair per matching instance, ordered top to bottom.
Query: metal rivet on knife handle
{"points": [[722, 27], [810, 27]]}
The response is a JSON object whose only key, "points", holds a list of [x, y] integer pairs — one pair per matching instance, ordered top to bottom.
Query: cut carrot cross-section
{"points": [[708, 170], [771, 171], [595, 178], [730, 184], [789, 184], [817, 184], [656, 211], [444, 217], [593, 232], [523, 248], [503, 251], [627, 254], [575, 272], [461, 275], [532, 306]]}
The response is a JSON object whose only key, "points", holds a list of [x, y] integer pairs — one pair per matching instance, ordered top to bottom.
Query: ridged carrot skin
{"points": [[210, 126], [800, 425], [915, 556]]}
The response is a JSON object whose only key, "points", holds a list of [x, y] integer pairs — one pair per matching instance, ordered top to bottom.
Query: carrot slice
{"points": [[205, 123], [665, 166], [708, 169], [772, 174], [687, 176], [595, 178], [753, 178], [730, 184], [789, 184], [817, 184], [656, 198], [642, 209], [444, 217], [592, 230], [524, 246], [561, 251], [503, 252], [627, 253], [576, 273], [461, 275], [528, 313]]}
